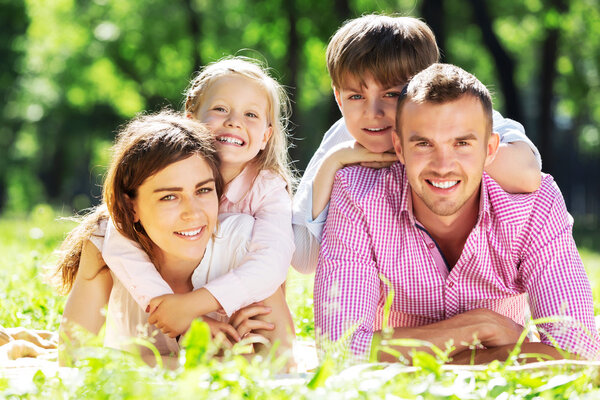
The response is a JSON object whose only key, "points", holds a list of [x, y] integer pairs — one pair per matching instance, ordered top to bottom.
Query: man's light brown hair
{"points": [[390, 49], [443, 83]]}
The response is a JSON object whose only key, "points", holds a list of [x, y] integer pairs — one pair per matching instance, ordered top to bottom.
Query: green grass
{"points": [[27, 244]]}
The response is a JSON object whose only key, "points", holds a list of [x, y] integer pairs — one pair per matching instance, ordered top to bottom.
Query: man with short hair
{"points": [[462, 258]]}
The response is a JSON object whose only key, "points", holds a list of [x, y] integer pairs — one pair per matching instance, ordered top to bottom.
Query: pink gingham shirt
{"points": [[521, 246]]}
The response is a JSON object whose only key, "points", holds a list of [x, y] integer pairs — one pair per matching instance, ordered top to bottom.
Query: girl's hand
{"points": [[171, 313], [244, 322], [223, 333]]}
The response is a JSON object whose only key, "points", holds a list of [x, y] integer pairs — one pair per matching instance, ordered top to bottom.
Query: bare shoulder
{"points": [[91, 263]]}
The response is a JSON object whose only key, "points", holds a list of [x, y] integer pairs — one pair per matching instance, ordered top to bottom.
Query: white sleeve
{"points": [[512, 131], [308, 231]]}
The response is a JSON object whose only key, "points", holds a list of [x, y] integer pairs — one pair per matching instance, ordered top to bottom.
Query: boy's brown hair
{"points": [[390, 49], [443, 83]]}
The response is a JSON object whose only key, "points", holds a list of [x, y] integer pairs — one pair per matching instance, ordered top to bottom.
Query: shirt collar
{"points": [[241, 184]]}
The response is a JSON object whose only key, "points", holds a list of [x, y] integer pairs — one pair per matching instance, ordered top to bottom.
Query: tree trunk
{"points": [[432, 12], [193, 20], [293, 61], [505, 65], [546, 126]]}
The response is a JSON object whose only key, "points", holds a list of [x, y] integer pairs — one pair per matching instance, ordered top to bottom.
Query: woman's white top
{"points": [[126, 320]]}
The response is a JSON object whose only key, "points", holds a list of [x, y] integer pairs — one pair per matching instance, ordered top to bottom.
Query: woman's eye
{"points": [[205, 190], [168, 197]]}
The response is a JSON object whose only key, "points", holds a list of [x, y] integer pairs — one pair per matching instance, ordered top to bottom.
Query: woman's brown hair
{"points": [[143, 147]]}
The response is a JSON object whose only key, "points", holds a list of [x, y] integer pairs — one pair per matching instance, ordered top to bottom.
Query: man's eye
{"points": [[462, 143], [422, 144]]}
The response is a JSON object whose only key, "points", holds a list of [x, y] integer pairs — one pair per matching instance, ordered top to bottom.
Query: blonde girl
{"points": [[246, 111]]}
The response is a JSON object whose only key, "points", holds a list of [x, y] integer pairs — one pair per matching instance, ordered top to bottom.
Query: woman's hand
{"points": [[244, 322], [222, 332]]}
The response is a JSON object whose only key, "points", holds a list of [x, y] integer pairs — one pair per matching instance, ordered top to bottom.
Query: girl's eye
{"points": [[220, 109], [251, 115], [168, 197]]}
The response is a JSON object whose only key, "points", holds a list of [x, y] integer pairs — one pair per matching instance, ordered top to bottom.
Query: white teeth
{"points": [[375, 129], [228, 139], [443, 185], [190, 233]]}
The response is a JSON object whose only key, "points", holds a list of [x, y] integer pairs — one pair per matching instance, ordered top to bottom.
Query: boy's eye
{"points": [[392, 94], [355, 97]]}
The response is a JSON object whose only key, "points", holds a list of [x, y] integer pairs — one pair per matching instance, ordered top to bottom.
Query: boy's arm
{"points": [[341, 155], [517, 166], [132, 266]]}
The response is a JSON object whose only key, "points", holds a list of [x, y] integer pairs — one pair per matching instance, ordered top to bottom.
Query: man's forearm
{"points": [[529, 352]]}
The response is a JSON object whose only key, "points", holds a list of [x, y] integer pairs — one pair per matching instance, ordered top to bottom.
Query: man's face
{"points": [[369, 111], [444, 148]]}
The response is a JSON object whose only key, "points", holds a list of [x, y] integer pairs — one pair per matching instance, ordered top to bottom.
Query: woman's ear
{"points": [[132, 205]]}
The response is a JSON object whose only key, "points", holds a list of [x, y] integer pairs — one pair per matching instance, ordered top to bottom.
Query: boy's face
{"points": [[369, 111], [444, 148]]}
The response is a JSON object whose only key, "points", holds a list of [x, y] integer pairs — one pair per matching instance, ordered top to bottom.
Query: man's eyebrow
{"points": [[467, 136], [418, 138], [179, 189]]}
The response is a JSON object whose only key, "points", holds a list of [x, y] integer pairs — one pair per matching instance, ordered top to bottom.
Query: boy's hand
{"points": [[352, 152], [171, 313], [243, 319]]}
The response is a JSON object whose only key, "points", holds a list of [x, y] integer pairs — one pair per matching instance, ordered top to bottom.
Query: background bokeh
{"points": [[73, 71]]}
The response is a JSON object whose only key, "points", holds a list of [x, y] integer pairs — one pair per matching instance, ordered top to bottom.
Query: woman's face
{"points": [[178, 208]]}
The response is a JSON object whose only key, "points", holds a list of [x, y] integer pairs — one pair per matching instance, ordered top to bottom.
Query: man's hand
{"points": [[171, 313]]}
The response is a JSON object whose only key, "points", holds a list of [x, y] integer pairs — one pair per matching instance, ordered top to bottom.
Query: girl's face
{"points": [[235, 109], [178, 208]]}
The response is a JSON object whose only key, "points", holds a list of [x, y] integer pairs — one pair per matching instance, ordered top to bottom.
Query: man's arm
{"points": [[554, 277], [347, 284], [479, 326]]}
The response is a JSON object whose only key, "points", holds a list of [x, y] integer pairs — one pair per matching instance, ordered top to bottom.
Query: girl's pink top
{"points": [[262, 195]]}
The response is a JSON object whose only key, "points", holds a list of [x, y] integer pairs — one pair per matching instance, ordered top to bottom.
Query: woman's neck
{"points": [[178, 275]]}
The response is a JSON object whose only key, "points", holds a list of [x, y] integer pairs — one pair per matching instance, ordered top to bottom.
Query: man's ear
{"points": [[338, 98], [397, 142], [492, 148], [132, 205]]}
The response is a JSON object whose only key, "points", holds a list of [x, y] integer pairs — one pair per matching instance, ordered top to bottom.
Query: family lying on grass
{"points": [[421, 193]]}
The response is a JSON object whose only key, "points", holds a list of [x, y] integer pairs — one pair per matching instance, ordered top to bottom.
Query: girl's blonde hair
{"points": [[145, 146], [275, 155]]}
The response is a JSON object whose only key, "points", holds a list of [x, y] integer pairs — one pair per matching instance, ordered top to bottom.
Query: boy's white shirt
{"points": [[308, 231]]}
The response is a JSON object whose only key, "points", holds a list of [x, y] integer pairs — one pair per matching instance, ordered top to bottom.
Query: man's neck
{"points": [[450, 232]]}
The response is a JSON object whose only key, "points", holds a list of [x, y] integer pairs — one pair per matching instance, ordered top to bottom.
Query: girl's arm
{"points": [[517, 166], [132, 266], [264, 267]]}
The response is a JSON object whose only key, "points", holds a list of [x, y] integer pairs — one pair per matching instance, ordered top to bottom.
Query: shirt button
{"points": [[431, 245], [451, 284]]}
